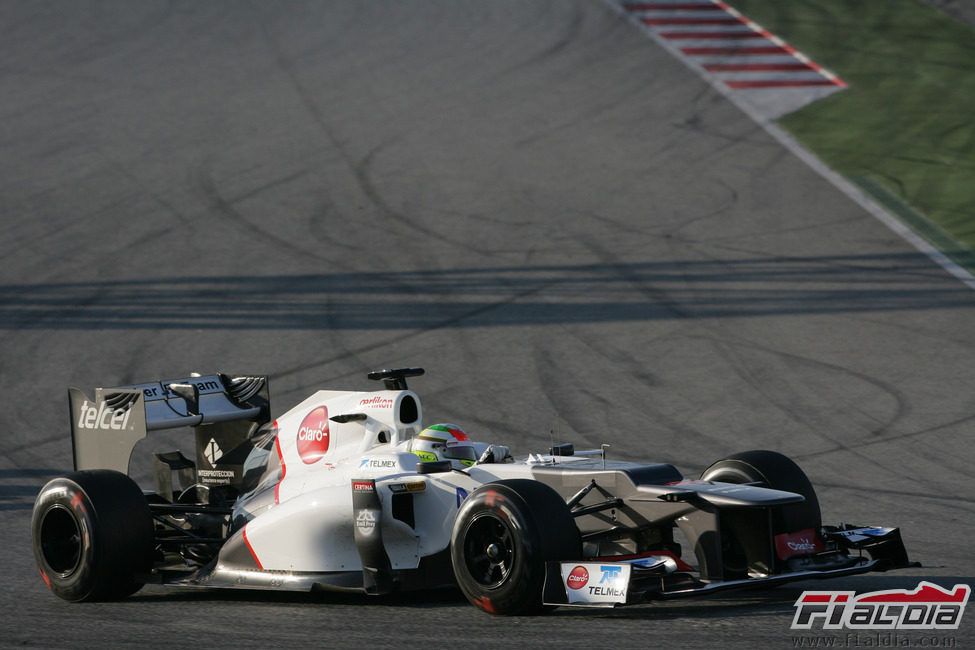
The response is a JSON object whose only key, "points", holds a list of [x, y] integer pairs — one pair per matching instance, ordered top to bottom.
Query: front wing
{"points": [[661, 576]]}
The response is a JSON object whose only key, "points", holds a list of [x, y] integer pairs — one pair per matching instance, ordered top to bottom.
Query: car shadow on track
{"points": [[28, 482], [443, 597], [770, 601], [777, 601]]}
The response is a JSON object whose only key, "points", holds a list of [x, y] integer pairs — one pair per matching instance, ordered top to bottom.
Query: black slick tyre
{"points": [[772, 470], [92, 535], [503, 535]]}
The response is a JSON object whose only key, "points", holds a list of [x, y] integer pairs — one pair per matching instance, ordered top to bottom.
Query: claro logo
{"points": [[313, 436], [578, 578]]}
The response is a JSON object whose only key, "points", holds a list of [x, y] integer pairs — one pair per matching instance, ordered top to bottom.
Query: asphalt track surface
{"points": [[569, 230]]}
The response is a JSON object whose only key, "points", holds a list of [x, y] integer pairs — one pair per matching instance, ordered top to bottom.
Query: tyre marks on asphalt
{"points": [[734, 53]]}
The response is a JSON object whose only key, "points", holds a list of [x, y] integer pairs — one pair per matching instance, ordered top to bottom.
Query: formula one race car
{"points": [[347, 491]]}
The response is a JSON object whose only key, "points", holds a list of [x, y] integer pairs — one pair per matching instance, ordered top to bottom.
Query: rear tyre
{"points": [[772, 470], [92, 535], [503, 535]]}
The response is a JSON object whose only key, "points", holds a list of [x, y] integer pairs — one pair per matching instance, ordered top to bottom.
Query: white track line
{"points": [[817, 165]]}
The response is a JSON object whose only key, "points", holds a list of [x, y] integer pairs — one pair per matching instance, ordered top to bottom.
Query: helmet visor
{"points": [[460, 452]]}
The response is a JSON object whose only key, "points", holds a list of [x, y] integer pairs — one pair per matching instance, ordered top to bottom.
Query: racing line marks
{"points": [[735, 53]]}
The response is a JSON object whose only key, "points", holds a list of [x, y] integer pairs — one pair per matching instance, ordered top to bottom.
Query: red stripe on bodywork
{"points": [[284, 468], [251, 548], [681, 564]]}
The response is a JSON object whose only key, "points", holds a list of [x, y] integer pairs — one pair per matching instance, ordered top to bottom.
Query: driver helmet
{"points": [[444, 442]]}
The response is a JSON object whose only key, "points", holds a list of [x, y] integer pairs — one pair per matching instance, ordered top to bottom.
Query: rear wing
{"points": [[105, 430]]}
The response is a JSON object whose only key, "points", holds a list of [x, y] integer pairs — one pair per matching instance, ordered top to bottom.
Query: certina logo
{"points": [[377, 402], [102, 418], [313, 436], [362, 486], [577, 578], [927, 607]]}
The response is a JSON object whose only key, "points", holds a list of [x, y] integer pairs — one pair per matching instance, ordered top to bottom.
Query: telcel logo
{"points": [[102, 418], [313, 436]]}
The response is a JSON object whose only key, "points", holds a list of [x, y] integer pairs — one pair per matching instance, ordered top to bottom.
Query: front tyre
{"points": [[772, 470], [92, 535], [503, 535]]}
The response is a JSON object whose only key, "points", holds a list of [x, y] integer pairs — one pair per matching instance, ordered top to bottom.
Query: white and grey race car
{"points": [[347, 491]]}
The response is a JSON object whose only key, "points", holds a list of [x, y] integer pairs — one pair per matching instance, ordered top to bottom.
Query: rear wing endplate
{"points": [[105, 430]]}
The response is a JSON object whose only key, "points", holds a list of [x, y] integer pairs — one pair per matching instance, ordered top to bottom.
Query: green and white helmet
{"points": [[444, 442]]}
